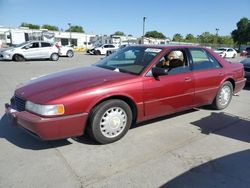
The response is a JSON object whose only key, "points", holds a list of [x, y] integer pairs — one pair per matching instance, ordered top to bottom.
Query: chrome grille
{"points": [[20, 103]]}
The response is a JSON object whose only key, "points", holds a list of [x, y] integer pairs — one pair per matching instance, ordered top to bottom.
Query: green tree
{"points": [[30, 26], [50, 27], [76, 28], [120, 33], [155, 34], [241, 35], [178, 37], [207, 37], [190, 38], [225, 40]]}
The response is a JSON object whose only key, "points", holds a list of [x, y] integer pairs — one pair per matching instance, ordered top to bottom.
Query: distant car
{"points": [[102, 49], [31, 50], [115, 50], [67, 51], [226, 52], [246, 52], [246, 64], [133, 85]]}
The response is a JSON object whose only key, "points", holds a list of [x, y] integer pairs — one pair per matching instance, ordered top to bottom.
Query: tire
{"points": [[98, 52], [70, 53], [234, 56], [54, 57], [19, 58], [224, 96], [109, 121]]}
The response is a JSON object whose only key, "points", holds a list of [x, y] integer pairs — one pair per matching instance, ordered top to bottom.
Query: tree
{"points": [[30, 26], [50, 27], [76, 28], [120, 33], [155, 34], [241, 35], [177, 37], [207, 37], [190, 38]]}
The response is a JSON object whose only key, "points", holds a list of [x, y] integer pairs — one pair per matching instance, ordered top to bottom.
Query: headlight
{"points": [[46, 110]]}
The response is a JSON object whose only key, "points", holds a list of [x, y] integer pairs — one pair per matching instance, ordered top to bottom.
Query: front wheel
{"points": [[17, 57], [54, 57], [224, 96], [110, 121]]}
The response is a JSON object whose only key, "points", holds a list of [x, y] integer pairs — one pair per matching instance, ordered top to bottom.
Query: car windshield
{"points": [[21, 44], [222, 49], [132, 59]]}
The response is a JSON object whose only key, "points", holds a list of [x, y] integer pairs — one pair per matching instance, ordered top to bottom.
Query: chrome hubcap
{"points": [[225, 95], [113, 122]]}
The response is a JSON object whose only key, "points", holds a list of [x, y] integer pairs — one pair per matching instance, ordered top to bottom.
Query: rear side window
{"points": [[45, 44], [202, 60]]}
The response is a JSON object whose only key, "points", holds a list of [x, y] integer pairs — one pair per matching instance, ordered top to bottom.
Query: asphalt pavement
{"points": [[196, 148]]}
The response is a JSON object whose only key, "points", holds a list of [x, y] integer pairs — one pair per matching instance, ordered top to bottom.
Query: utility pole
{"points": [[143, 29], [217, 30], [70, 38]]}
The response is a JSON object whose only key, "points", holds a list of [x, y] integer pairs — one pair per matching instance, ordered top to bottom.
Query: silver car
{"points": [[30, 50]]}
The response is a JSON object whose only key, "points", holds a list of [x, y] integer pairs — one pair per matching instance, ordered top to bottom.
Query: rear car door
{"points": [[45, 49], [207, 74], [169, 93]]}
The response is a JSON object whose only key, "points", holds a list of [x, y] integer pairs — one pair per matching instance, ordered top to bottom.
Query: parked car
{"points": [[102, 49], [31, 50], [115, 50], [67, 51], [226, 52], [246, 52], [246, 64], [133, 85]]}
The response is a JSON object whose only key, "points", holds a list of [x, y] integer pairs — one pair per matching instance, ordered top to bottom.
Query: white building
{"points": [[12, 36]]}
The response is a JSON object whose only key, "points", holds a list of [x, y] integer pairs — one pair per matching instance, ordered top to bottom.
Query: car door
{"points": [[45, 49], [31, 51], [207, 75], [168, 93]]}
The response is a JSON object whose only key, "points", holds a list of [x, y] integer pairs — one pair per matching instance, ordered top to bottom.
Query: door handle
{"points": [[188, 79]]}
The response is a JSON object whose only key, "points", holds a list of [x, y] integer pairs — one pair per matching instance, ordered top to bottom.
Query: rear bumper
{"points": [[239, 85], [53, 128]]}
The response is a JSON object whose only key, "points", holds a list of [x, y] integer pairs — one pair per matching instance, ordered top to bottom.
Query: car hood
{"points": [[6, 49], [50, 87]]}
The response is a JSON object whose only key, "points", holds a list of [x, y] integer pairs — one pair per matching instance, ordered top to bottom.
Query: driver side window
{"points": [[174, 62]]}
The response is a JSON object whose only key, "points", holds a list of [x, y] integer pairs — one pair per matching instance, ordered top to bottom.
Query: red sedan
{"points": [[134, 84]]}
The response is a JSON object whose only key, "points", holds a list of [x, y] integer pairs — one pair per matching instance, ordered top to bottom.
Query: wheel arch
{"points": [[17, 54], [126, 99]]}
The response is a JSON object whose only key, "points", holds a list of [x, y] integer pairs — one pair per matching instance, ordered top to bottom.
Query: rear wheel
{"points": [[70, 53], [234, 55], [17, 57], [54, 57], [224, 96], [110, 121]]}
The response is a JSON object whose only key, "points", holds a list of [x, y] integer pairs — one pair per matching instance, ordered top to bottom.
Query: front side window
{"points": [[132, 59], [202, 60], [174, 61]]}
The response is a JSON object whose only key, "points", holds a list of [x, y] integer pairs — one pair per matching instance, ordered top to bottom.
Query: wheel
{"points": [[98, 52], [70, 53], [234, 56], [17, 57], [54, 57], [224, 96], [110, 121]]}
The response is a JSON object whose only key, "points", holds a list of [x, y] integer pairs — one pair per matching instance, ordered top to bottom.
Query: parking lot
{"points": [[196, 148]]}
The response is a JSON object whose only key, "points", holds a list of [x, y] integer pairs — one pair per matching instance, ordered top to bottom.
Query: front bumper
{"points": [[5, 56], [51, 128]]}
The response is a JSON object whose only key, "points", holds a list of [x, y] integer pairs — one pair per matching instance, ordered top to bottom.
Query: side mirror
{"points": [[26, 47], [156, 72]]}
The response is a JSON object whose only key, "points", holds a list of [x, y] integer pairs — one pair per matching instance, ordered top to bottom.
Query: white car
{"points": [[30, 50], [102, 50], [115, 50], [66, 51], [226, 52]]}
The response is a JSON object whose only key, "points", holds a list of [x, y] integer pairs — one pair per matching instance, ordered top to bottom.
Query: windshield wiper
{"points": [[106, 67]]}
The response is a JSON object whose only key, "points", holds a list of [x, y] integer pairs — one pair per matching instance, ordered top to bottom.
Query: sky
{"points": [[109, 16]]}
